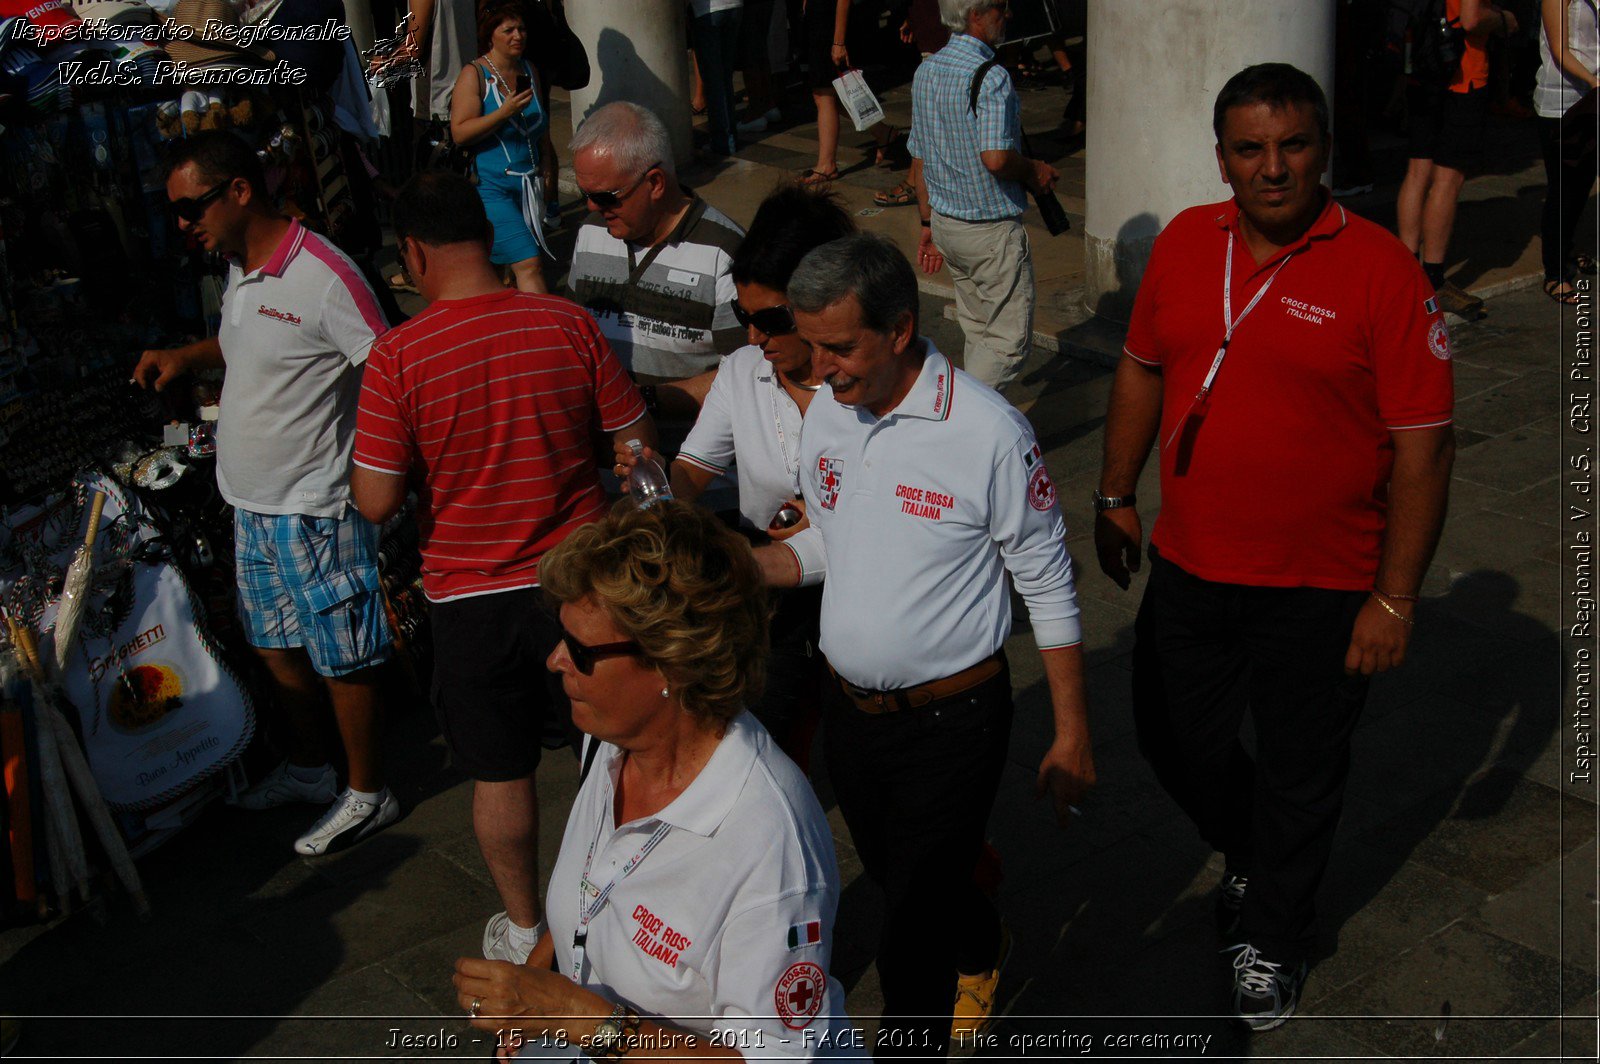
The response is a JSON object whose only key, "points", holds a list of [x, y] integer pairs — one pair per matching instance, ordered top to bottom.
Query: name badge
{"points": [[683, 277]]}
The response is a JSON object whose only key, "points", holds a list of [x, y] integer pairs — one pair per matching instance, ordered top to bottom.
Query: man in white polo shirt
{"points": [[297, 321], [924, 488]]}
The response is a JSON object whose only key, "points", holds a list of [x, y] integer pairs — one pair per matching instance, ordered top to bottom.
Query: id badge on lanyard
{"points": [[1188, 427], [593, 898]]}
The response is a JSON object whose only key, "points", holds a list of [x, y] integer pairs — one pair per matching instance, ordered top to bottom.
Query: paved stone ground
{"points": [[1460, 907]]}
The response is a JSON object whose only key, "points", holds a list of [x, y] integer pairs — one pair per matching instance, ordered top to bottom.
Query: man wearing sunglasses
{"points": [[651, 263], [297, 323], [489, 378]]}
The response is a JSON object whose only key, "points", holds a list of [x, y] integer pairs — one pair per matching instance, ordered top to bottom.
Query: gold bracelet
{"points": [[1391, 595], [1394, 612]]}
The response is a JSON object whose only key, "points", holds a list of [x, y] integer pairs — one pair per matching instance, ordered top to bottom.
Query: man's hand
{"points": [[1044, 176], [929, 258], [158, 368], [1118, 543], [1379, 639], [1067, 774]]}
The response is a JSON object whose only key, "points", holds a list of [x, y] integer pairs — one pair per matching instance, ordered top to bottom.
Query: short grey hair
{"points": [[953, 13], [630, 134], [864, 265]]}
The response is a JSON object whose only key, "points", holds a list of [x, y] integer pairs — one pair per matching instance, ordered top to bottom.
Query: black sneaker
{"points": [[1230, 903], [1264, 996]]}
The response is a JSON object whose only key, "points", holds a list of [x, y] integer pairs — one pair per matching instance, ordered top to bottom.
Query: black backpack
{"points": [[1437, 41]]}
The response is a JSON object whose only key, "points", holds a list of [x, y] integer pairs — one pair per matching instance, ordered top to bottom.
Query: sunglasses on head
{"points": [[607, 200], [192, 208], [771, 321], [583, 657]]}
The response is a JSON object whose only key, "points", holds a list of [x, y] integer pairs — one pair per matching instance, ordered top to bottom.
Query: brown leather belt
{"points": [[923, 693]]}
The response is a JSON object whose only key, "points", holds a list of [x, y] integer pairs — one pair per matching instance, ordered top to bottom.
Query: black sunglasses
{"points": [[607, 200], [192, 208], [771, 321], [584, 657]]}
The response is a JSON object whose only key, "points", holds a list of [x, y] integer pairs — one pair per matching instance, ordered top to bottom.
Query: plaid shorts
{"points": [[312, 582]]}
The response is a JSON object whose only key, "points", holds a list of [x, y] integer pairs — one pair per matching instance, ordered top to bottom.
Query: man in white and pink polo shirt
{"points": [[297, 322]]}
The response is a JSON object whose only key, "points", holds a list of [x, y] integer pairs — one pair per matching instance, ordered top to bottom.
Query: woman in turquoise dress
{"points": [[495, 114]]}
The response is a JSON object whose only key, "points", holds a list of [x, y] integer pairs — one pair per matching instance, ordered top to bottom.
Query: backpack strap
{"points": [[977, 81]]}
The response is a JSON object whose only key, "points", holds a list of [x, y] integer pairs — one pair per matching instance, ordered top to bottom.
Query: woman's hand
{"points": [[840, 57], [514, 104], [778, 535], [536, 1001]]}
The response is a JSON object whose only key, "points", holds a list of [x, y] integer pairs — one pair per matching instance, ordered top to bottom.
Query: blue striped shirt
{"points": [[947, 137]]}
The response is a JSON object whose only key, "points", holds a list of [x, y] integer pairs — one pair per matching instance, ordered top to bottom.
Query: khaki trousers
{"points": [[992, 268]]}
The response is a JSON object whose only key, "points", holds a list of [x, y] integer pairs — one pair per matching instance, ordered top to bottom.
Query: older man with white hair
{"points": [[972, 182], [651, 264]]}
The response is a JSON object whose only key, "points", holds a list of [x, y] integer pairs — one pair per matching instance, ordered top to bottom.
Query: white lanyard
{"points": [[1229, 324], [792, 470], [592, 899]]}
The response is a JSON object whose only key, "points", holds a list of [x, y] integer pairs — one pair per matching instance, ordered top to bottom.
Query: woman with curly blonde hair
{"points": [[691, 907]]}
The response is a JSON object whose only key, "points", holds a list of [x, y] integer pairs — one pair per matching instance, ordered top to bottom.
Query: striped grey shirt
{"points": [[676, 319]]}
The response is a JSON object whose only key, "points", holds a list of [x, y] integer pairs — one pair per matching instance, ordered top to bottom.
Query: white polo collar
{"points": [[707, 801]]}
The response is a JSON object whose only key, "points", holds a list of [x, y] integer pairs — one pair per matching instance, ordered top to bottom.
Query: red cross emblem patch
{"points": [[832, 470], [1041, 492], [799, 994]]}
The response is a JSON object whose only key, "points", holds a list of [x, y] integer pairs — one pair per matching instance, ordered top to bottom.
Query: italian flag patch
{"points": [[807, 934]]}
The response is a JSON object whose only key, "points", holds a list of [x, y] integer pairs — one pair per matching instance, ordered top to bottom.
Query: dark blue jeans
{"points": [[716, 47]]}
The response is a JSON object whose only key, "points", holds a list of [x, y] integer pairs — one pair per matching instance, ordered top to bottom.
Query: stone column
{"points": [[638, 51], [1154, 74]]}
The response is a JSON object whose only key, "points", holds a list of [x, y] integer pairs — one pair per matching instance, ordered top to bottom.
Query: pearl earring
{"points": [[666, 693]]}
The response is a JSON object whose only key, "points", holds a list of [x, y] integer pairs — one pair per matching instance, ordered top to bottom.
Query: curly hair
{"points": [[682, 585]]}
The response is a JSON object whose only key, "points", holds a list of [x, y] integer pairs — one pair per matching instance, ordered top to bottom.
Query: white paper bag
{"points": [[864, 108]]}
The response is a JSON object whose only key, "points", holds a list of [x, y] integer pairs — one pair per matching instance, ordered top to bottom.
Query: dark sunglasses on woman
{"points": [[769, 321], [583, 656]]}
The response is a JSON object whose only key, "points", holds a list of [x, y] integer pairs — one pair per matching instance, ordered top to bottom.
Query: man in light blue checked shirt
{"points": [[972, 181]]}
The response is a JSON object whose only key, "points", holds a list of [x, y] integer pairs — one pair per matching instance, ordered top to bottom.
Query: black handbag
{"points": [[556, 50]]}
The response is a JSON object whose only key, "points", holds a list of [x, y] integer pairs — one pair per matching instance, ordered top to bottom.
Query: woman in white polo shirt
{"points": [[751, 418], [691, 907]]}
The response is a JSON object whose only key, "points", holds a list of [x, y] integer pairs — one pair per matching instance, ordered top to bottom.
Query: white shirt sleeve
{"points": [[350, 329], [709, 444], [1025, 520], [781, 995]]}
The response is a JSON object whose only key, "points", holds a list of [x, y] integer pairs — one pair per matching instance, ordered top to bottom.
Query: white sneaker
{"points": [[281, 787], [349, 818], [497, 944]]}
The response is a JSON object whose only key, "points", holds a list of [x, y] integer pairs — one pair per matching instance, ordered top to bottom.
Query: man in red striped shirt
{"points": [[489, 403]]}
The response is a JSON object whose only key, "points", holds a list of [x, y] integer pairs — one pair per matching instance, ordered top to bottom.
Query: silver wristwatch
{"points": [[1103, 503], [611, 1038]]}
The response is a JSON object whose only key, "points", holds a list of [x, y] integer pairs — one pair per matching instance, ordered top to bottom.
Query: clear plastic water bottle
{"points": [[647, 481]]}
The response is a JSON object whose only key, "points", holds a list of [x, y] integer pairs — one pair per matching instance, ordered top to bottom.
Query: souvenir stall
{"points": [[127, 695]]}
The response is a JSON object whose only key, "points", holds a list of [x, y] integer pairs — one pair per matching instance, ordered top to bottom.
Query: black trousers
{"points": [[1567, 190], [1205, 654], [916, 788]]}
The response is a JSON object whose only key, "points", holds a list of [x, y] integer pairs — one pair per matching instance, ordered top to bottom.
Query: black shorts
{"points": [[817, 46], [1447, 127], [492, 694]]}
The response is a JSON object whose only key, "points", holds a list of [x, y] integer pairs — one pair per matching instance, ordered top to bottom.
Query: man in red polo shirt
{"points": [[1295, 364], [489, 402]]}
